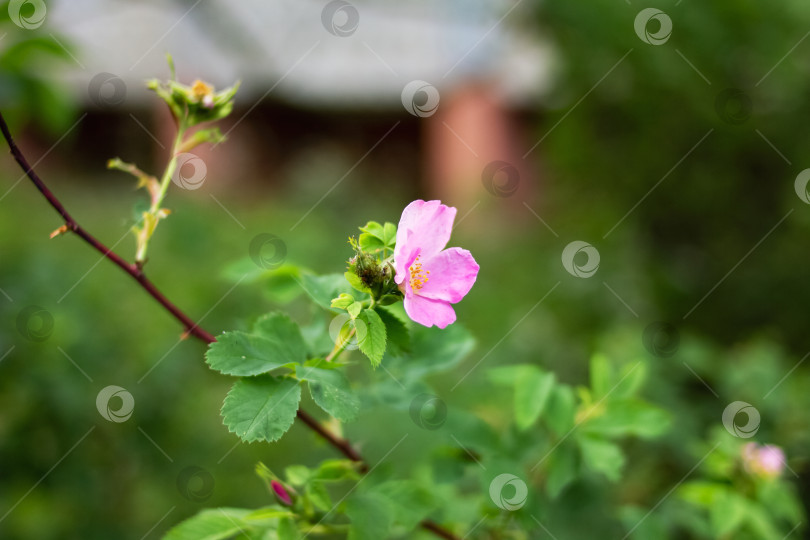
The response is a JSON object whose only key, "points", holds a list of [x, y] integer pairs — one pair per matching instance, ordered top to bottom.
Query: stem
{"points": [[166, 179], [165, 182], [191, 328], [341, 345], [344, 446]]}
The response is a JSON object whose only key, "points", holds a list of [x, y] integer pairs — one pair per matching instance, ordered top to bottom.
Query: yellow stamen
{"points": [[201, 89], [418, 277]]}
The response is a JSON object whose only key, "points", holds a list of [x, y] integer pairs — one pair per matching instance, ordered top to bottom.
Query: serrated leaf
{"points": [[284, 332], [396, 332], [275, 342], [373, 343], [241, 354], [331, 390], [532, 390], [261, 408], [370, 517], [211, 524]]}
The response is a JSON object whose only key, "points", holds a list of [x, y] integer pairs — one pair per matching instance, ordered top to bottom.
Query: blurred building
{"points": [[439, 88]]}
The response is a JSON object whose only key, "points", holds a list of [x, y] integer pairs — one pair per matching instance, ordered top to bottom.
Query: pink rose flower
{"points": [[431, 277]]}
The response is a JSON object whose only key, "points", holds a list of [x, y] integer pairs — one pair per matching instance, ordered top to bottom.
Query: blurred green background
{"points": [[724, 222]]}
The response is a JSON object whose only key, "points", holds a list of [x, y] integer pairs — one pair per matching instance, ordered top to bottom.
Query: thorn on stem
{"points": [[60, 231]]}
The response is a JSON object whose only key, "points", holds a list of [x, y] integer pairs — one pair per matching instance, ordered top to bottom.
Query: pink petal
{"points": [[426, 225], [406, 264], [452, 274], [428, 312], [281, 493]]}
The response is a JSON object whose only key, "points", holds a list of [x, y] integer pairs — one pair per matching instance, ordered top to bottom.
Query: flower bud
{"points": [[374, 275], [766, 461], [281, 493]]}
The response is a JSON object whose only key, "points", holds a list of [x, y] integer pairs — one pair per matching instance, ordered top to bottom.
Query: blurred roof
{"points": [[317, 53]]}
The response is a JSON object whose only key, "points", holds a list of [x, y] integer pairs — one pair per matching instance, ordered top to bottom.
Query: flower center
{"points": [[418, 276]]}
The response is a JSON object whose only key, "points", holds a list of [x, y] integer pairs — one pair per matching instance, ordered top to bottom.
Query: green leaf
{"points": [[374, 229], [389, 237], [370, 243], [356, 283], [322, 289], [343, 301], [355, 309], [396, 332], [284, 333], [276, 342], [373, 343], [434, 350], [241, 354], [601, 375], [630, 379], [331, 390], [532, 390], [261, 408], [560, 412], [630, 417], [601, 456], [333, 470], [562, 470], [297, 475], [317, 493], [701, 493], [780, 499], [409, 502], [727, 513], [261, 515], [370, 517], [211, 524], [762, 525], [288, 530]]}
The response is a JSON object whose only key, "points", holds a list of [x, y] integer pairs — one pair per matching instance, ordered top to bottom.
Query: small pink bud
{"points": [[208, 101], [765, 461], [281, 493]]}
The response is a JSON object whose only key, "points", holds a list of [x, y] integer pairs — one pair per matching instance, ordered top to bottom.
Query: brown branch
{"points": [[133, 270], [191, 328]]}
